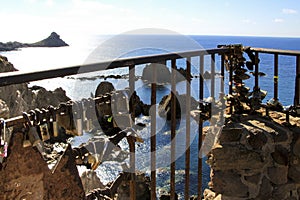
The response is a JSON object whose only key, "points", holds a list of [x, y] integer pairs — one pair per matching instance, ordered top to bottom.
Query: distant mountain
{"points": [[52, 41]]}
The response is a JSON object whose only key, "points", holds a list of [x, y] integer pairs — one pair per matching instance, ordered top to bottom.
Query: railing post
{"points": [[212, 68], [222, 73], [276, 76], [297, 82], [256, 84], [200, 127], [173, 129], [188, 129], [153, 133], [131, 140]]}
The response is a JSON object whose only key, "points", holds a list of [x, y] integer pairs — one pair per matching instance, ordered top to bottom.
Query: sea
{"points": [[99, 48]]}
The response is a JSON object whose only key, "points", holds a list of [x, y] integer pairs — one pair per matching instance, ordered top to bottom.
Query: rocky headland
{"points": [[53, 40], [14, 99]]}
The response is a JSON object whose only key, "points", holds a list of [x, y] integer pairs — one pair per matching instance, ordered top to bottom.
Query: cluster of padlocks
{"points": [[71, 118]]}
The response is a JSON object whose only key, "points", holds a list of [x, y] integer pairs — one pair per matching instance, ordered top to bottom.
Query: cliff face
{"points": [[52, 41], [15, 99]]}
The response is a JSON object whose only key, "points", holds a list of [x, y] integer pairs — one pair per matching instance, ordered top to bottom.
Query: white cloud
{"points": [[30, 1], [49, 3], [289, 11], [278, 20], [248, 21]]}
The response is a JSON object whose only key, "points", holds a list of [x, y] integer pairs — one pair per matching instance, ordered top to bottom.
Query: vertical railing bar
{"points": [[212, 68], [222, 73], [276, 76], [230, 78], [201, 80], [297, 82], [256, 84], [132, 87], [201, 95], [173, 128], [188, 129], [153, 134], [132, 143]]}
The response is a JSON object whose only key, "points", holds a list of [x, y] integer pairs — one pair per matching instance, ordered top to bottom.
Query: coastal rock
{"points": [[52, 41], [6, 66], [163, 75], [103, 88], [20, 97], [43, 98], [139, 106], [164, 107], [4, 110], [91, 181], [142, 191]]}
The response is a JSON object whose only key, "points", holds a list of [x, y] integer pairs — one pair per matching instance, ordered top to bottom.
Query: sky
{"points": [[31, 20]]}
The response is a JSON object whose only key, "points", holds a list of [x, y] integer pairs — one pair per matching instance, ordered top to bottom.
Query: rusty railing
{"points": [[131, 63]]}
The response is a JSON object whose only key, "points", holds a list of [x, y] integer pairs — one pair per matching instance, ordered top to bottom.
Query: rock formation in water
{"points": [[52, 41], [163, 74], [15, 99], [164, 107]]}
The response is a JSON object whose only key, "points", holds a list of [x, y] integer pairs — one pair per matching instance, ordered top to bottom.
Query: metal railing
{"points": [[276, 53], [131, 63]]}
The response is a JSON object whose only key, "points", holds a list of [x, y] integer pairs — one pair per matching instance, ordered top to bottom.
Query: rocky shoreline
{"points": [[52, 41]]}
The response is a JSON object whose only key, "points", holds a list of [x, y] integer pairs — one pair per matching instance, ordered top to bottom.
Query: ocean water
{"points": [[100, 48]]}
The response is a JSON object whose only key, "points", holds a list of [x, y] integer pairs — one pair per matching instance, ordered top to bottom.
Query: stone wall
{"points": [[256, 158]]}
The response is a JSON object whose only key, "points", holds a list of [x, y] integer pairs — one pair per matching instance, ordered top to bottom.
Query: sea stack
{"points": [[52, 41]]}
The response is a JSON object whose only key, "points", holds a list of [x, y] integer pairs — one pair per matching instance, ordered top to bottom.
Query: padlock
{"points": [[120, 110], [77, 113], [90, 114], [64, 118], [84, 118], [52, 122], [55, 128], [44, 131], [36, 141], [2, 151]]}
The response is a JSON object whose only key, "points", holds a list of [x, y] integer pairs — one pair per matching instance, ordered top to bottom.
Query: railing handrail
{"points": [[276, 51], [18, 77]]}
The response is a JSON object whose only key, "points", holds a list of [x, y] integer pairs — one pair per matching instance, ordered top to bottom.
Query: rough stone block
{"points": [[230, 135], [280, 137], [257, 139], [296, 147], [280, 155], [228, 157], [294, 174], [278, 175], [254, 179], [228, 183], [265, 191], [286, 191]]}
